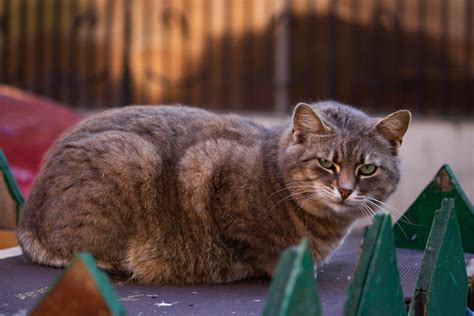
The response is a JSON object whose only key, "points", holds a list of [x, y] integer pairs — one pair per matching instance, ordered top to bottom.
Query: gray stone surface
{"points": [[22, 284]]}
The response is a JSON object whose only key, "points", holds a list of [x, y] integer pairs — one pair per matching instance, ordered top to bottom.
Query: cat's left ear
{"points": [[306, 121], [394, 126]]}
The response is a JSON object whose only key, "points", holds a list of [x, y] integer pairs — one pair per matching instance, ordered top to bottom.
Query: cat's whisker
{"points": [[292, 187], [328, 192], [324, 193], [291, 195], [286, 198], [312, 198], [381, 205], [378, 207], [383, 209], [371, 211], [396, 211], [364, 212], [368, 212], [370, 215], [396, 223], [403, 231]]}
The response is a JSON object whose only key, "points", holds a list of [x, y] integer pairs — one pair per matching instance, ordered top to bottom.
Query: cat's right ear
{"points": [[306, 121], [394, 126]]}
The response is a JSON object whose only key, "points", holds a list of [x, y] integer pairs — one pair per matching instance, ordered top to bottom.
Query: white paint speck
{"points": [[194, 292], [131, 298], [256, 300], [164, 304], [21, 312]]}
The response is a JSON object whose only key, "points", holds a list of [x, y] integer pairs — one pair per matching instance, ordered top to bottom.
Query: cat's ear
{"points": [[306, 121], [394, 126]]}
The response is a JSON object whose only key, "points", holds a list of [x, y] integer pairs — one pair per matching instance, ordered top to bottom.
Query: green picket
{"points": [[11, 183], [413, 229], [73, 284], [441, 287], [376, 288], [292, 290]]}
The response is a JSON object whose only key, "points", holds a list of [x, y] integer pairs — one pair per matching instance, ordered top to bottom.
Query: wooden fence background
{"points": [[258, 55]]}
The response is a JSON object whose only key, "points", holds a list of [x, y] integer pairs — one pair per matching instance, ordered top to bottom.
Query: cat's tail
{"points": [[34, 250]]}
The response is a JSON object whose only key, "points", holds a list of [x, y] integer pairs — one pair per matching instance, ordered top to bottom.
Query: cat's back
{"points": [[174, 127], [171, 143]]}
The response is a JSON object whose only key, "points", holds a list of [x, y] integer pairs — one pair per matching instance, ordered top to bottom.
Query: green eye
{"points": [[326, 163], [367, 169]]}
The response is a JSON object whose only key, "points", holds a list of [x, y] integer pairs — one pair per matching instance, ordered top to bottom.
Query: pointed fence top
{"points": [[412, 230], [81, 290]]}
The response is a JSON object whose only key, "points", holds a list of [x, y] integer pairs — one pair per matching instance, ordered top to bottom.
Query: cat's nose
{"points": [[345, 193]]}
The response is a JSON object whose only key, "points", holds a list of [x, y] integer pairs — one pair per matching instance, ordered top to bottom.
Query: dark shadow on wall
{"points": [[378, 67]]}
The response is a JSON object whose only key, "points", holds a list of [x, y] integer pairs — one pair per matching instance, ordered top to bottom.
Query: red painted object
{"points": [[29, 125]]}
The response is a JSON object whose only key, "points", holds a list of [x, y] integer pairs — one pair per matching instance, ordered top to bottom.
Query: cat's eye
{"points": [[328, 164], [367, 169]]}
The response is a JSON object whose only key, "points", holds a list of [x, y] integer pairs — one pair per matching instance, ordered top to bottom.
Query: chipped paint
{"points": [[443, 181], [33, 293], [131, 298], [164, 304]]}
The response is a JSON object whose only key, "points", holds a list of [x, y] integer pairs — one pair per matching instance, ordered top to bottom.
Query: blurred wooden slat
{"points": [[217, 16], [237, 30], [196, 37], [138, 50], [96, 52], [221, 54], [7, 239]]}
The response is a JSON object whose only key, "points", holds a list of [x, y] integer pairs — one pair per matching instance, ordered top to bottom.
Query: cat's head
{"points": [[339, 158]]}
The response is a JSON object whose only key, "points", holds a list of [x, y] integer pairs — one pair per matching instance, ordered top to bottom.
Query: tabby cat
{"points": [[172, 194]]}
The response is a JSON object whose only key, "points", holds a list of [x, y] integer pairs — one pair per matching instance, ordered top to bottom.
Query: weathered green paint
{"points": [[11, 183], [412, 231], [99, 279], [441, 287], [376, 288], [292, 291]]}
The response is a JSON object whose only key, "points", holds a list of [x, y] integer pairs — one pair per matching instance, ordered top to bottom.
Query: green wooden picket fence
{"points": [[440, 222]]}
